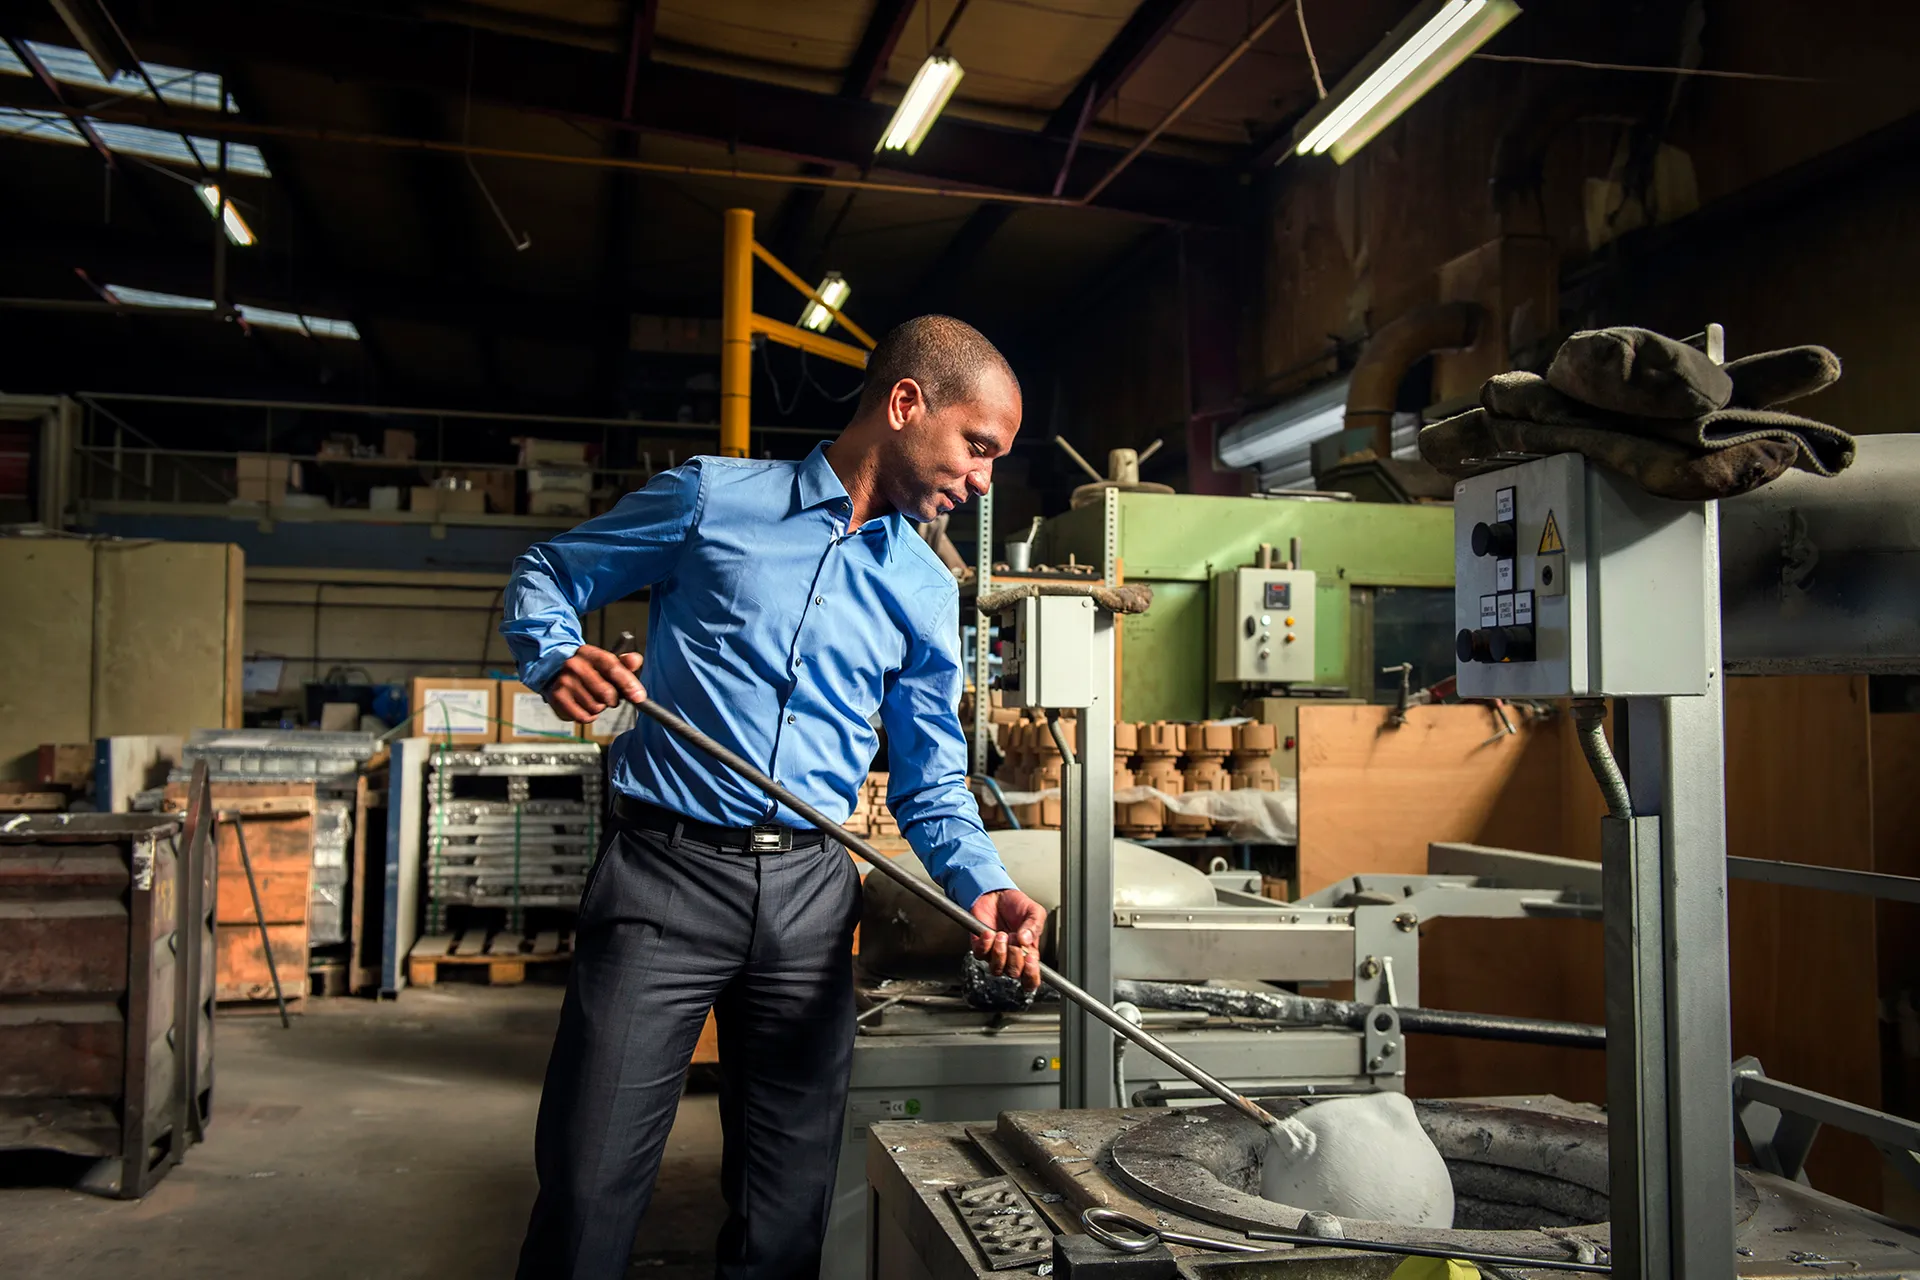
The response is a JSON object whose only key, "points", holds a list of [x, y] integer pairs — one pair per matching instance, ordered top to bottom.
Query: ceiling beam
{"points": [[1149, 24], [93, 31], [1142, 33], [877, 43], [862, 76], [732, 111], [310, 231], [36, 252]]}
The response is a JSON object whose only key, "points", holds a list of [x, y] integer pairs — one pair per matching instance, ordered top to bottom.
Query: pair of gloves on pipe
{"points": [[1655, 410]]}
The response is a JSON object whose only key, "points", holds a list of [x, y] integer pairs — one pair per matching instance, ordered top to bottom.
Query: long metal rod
{"points": [[394, 410], [1800, 875], [939, 901], [259, 914], [1312, 1011], [1432, 1251]]}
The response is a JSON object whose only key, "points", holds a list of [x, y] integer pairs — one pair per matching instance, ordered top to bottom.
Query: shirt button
{"points": [[819, 599], [790, 719]]}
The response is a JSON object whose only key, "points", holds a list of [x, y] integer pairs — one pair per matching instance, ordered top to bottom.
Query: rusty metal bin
{"points": [[106, 989]]}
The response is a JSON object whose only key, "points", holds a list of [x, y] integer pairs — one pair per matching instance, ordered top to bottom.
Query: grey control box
{"points": [[1571, 581], [1263, 626], [1046, 652]]}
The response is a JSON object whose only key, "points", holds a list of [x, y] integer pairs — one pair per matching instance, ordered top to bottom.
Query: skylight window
{"points": [[179, 87], [43, 126], [135, 140], [148, 298], [265, 317]]}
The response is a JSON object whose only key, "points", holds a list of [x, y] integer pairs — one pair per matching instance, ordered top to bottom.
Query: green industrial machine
{"points": [[1383, 589]]}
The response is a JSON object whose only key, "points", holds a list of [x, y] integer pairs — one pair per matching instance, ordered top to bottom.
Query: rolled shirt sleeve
{"points": [[635, 545], [927, 763]]}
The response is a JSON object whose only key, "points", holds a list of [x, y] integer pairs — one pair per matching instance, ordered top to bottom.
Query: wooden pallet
{"points": [[505, 954]]}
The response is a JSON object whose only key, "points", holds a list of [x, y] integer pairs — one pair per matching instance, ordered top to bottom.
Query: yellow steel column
{"points": [[736, 335]]}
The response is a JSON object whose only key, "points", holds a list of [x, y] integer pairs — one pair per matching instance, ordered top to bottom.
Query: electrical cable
{"points": [[1300, 12], [1708, 72], [806, 372], [785, 408], [1590, 715]]}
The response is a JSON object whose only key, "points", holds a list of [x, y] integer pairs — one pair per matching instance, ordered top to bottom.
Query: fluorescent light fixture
{"points": [[1417, 55], [926, 97], [237, 229], [833, 291]]}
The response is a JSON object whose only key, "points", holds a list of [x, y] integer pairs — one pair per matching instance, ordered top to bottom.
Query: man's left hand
{"points": [[1013, 948]]}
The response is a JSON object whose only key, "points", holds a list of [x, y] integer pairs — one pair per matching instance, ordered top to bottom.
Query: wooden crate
{"points": [[279, 833]]}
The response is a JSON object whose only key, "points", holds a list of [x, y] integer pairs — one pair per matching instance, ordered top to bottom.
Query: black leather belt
{"points": [[768, 837]]}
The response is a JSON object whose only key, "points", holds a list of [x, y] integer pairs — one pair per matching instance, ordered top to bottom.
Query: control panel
{"points": [[1572, 581], [1263, 626], [1046, 647]]}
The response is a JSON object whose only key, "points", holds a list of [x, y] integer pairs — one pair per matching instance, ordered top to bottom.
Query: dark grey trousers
{"points": [[670, 928]]}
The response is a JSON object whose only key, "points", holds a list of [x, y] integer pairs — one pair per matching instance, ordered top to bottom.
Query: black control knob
{"points": [[1496, 539], [1510, 644], [1471, 646]]}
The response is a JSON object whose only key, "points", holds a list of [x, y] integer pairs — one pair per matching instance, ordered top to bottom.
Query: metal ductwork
{"points": [[1390, 352]]}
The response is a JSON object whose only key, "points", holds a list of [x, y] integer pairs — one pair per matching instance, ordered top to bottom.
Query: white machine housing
{"points": [[1536, 547], [1263, 626], [1043, 661]]}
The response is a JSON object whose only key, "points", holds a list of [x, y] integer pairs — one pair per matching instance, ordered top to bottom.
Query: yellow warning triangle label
{"points": [[1550, 537]]}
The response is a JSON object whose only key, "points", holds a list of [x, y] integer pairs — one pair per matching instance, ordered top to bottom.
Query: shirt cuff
{"points": [[539, 673], [965, 884]]}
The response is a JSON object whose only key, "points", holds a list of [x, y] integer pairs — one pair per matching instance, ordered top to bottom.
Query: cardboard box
{"points": [[397, 444], [540, 453], [272, 467], [572, 479], [498, 486], [383, 497], [447, 502], [461, 502], [557, 502], [451, 709], [528, 718], [611, 723], [66, 764]]}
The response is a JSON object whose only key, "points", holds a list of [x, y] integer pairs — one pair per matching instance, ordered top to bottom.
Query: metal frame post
{"points": [[982, 626], [1086, 900], [1681, 1048]]}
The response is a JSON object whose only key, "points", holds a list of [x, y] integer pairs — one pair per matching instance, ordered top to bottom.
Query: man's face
{"points": [[940, 458]]}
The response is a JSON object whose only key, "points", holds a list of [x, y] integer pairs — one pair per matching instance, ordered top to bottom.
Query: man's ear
{"points": [[901, 402]]}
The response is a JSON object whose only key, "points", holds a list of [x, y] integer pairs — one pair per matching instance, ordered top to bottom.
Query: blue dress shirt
{"points": [[778, 633]]}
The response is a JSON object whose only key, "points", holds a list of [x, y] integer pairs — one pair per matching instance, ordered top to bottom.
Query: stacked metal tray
{"points": [[511, 826]]}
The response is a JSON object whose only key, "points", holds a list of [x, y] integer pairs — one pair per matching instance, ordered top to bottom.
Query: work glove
{"points": [[1656, 410]]}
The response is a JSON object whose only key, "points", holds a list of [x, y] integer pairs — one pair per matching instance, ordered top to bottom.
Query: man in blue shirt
{"points": [[791, 603]]}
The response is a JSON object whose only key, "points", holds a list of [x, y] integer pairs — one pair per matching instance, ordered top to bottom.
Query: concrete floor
{"points": [[391, 1140]]}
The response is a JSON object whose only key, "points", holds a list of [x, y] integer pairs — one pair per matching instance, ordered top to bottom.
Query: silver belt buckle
{"points": [[770, 839]]}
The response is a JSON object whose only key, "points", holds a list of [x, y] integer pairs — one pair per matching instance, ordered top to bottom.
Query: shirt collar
{"points": [[818, 486]]}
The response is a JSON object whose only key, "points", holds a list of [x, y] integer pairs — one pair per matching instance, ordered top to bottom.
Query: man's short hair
{"points": [[945, 356]]}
